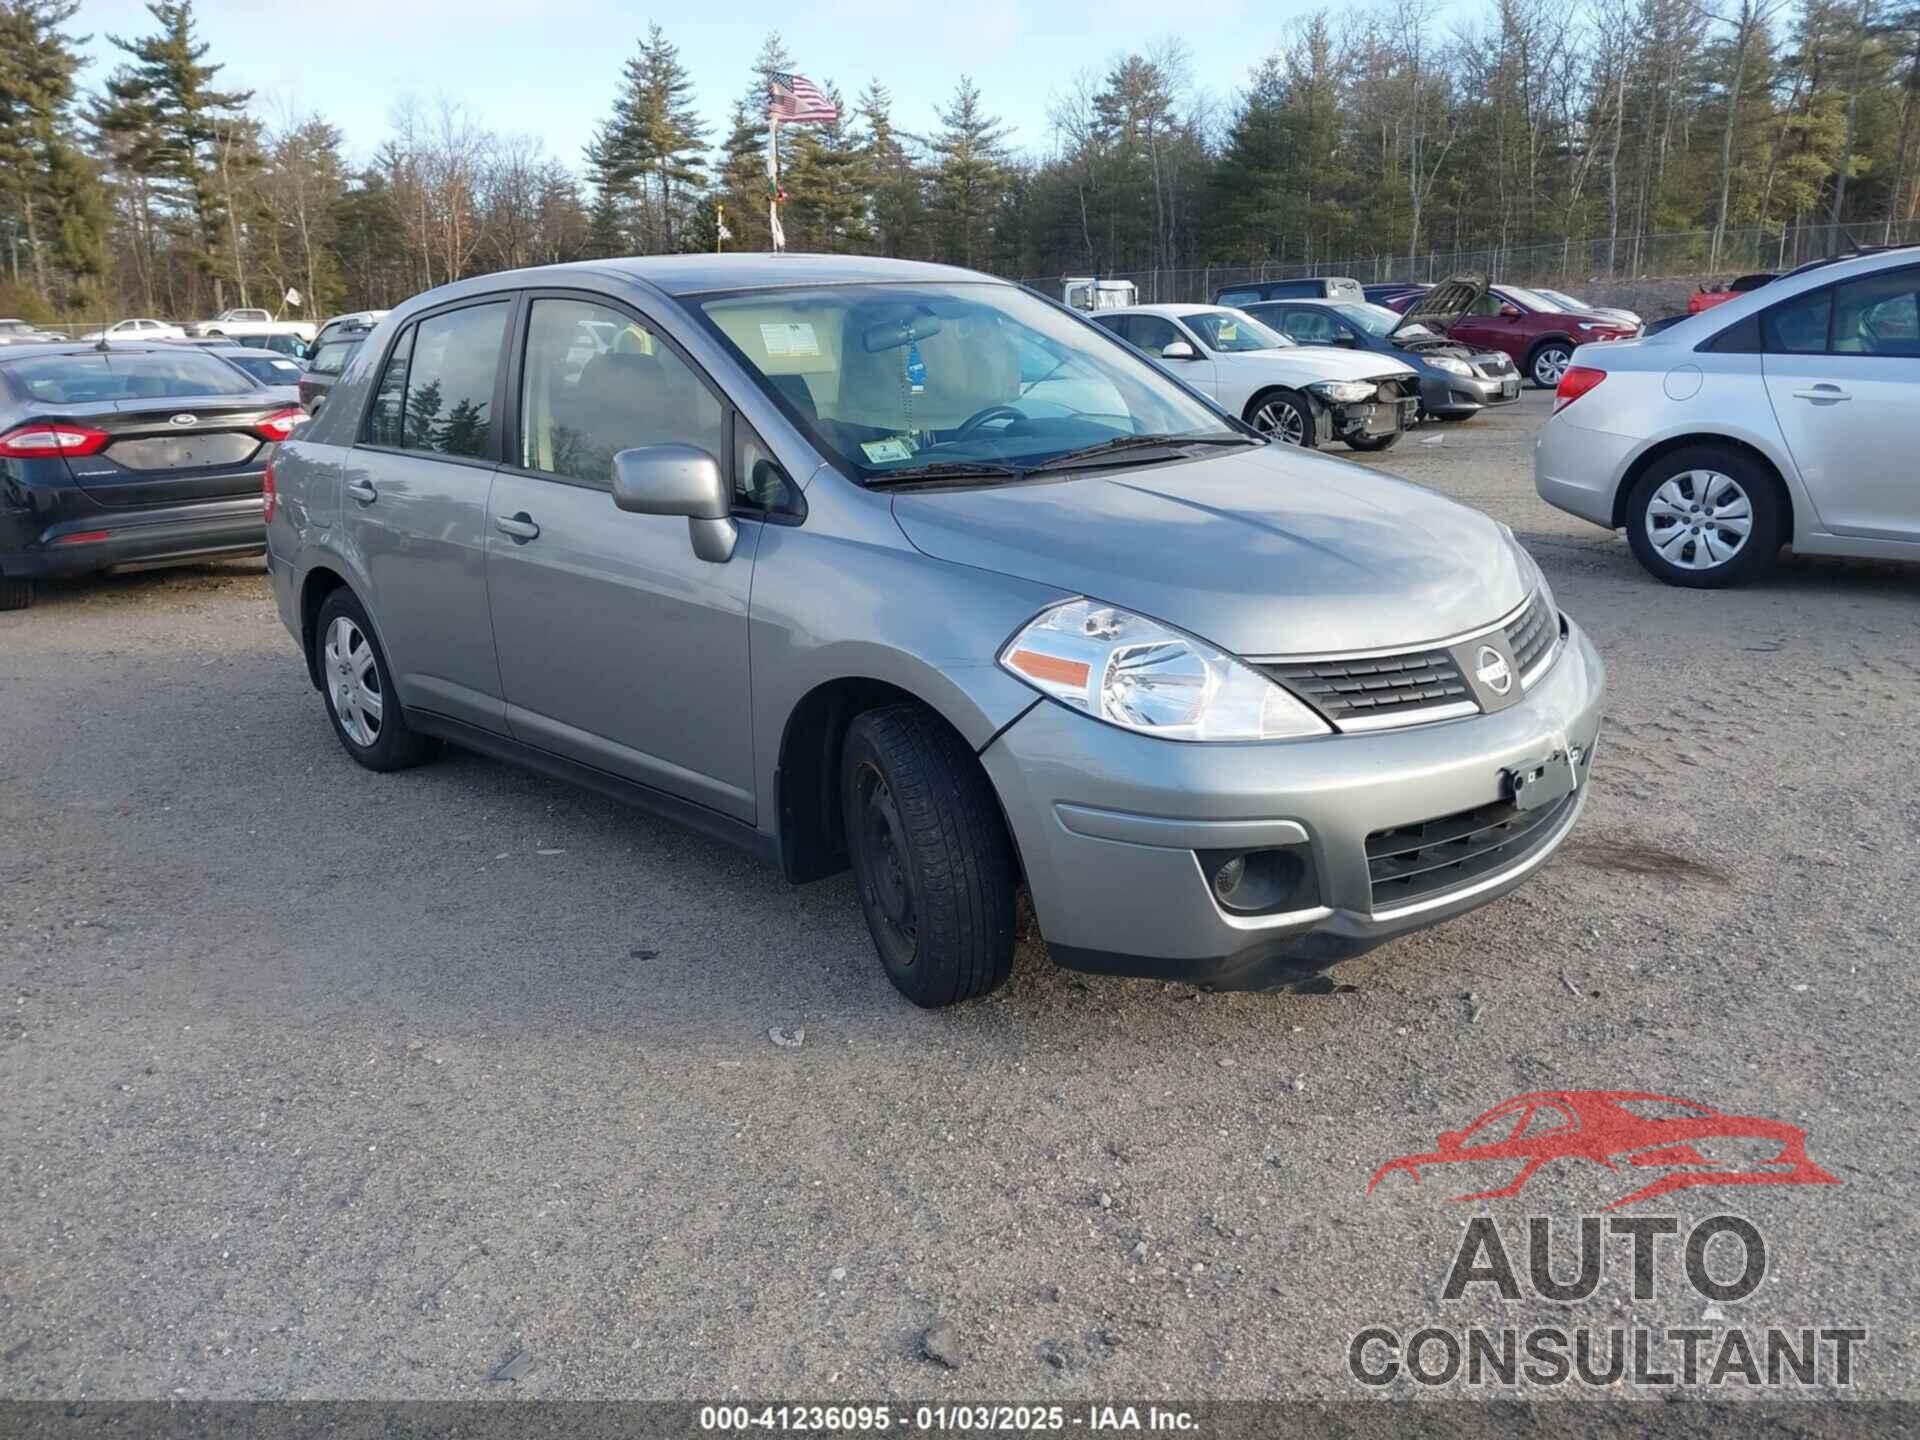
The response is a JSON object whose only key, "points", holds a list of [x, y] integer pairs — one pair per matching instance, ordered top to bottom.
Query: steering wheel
{"points": [[980, 417]]}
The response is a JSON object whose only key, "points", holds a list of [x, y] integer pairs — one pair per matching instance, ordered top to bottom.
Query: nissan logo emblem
{"points": [[1493, 671]]}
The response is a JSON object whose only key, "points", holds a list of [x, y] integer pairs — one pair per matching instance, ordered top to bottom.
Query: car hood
{"points": [[1441, 307], [1304, 364], [1267, 551]]}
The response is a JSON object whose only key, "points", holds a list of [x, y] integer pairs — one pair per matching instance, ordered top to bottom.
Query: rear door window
{"points": [[1878, 315], [1799, 327], [447, 406]]}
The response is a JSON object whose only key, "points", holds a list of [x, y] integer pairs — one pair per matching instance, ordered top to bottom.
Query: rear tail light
{"points": [[1578, 380], [281, 424], [33, 442], [267, 493]]}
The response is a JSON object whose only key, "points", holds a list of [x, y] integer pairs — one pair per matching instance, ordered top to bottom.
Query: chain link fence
{"points": [[1571, 263]]}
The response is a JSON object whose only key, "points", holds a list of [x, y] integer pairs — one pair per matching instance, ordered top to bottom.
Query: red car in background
{"points": [[1708, 296], [1536, 334]]}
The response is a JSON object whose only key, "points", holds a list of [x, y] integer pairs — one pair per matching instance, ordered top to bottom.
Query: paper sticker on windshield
{"points": [[1228, 331], [791, 339], [916, 368], [881, 451]]}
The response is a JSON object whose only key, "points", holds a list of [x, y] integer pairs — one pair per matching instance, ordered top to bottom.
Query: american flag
{"points": [[798, 101]]}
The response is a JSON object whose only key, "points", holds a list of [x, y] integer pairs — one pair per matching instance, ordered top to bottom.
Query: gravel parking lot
{"points": [[324, 1083]]}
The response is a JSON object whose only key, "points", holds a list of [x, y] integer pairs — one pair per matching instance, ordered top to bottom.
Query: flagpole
{"points": [[773, 169]]}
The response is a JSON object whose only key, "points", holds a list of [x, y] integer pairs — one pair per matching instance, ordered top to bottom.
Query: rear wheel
{"points": [[1549, 362], [1283, 415], [1705, 517], [15, 594], [360, 697], [930, 855]]}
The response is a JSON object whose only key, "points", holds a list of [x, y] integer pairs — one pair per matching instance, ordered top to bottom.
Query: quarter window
{"points": [[597, 382], [759, 481]]}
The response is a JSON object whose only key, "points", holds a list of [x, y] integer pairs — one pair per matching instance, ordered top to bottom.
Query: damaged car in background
{"points": [[1301, 396]]}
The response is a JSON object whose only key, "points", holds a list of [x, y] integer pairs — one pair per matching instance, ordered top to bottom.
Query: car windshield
{"points": [[1534, 299], [1563, 300], [1374, 319], [1232, 331], [121, 375], [948, 380]]}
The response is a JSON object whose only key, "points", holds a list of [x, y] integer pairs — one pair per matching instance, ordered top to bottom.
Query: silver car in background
{"points": [[1789, 415], [892, 566]]}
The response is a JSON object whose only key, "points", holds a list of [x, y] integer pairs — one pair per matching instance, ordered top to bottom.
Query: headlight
{"points": [[1450, 365], [1343, 392], [1141, 675]]}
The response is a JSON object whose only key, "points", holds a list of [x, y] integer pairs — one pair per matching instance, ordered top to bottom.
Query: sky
{"points": [[552, 69]]}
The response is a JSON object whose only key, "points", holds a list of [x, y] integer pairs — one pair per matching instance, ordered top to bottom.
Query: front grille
{"points": [[1497, 369], [1531, 634], [1348, 690], [1414, 862]]}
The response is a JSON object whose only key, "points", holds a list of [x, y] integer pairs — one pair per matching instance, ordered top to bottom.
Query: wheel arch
{"points": [[1266, 392], [1653, 454], [807, 776]]}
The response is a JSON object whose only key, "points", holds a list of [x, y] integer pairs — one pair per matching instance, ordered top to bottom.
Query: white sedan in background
{"points": [[140, 329], [1305, 395], [1788, 415]]}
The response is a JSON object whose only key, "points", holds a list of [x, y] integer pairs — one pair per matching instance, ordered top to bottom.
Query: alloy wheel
{"points": [[1549, 365], [1282, 421], [1698, 519], [353, 682]]}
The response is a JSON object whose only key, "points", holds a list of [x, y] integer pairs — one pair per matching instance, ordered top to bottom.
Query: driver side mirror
{"points": [[1509, 312], [1177, 350], [679, 480]]}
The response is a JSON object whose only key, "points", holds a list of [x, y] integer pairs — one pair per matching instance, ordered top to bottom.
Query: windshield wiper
{"points": [[1122, 443], [950, 470]]}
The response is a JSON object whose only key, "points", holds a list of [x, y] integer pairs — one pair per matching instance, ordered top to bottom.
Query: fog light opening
{"points": [[1262, 882]]}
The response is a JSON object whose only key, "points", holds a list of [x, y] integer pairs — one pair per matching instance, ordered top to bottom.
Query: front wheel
{"points": [[1549, 363], [1284, 416], [1376, 442], [1705, 517], [15, 594], [930, 856]]}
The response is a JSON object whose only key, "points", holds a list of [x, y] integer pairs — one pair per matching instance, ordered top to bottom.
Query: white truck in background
{"points": [[1089, 292], [245, 322]]}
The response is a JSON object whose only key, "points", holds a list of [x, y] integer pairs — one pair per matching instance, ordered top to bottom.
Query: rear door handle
{"points": [[1823, 395], [362, 491], [520, 526]]}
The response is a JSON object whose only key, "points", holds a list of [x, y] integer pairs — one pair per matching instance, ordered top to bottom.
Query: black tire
{"points": [[1559, 352], [1267, 413], [1454, 419], [1376, 442], [1767, 519], [15, 594], [391, 745], [930, 855]]}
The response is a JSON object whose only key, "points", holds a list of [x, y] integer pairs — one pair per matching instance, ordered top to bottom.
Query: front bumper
{"points": [[1446, 394], [104, 539], [1111, 827]]}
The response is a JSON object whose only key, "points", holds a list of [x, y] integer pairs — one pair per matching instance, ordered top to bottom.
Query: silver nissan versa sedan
{"points": [[893, 566]]}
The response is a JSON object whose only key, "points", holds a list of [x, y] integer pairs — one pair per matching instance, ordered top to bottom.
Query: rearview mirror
{"points": [[1176, 350], [679, 480]]}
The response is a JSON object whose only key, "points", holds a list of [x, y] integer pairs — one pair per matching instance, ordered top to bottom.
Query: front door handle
{"points": [[1823, 395], [362, 491], [520, 526]]}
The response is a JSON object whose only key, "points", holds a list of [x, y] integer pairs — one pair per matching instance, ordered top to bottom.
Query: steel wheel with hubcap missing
{"points": [[1550, 362], [1283, 419], [1698, 519], [353, 682]]}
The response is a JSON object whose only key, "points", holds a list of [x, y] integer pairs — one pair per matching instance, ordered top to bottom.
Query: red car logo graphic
{"points": [[1615, 1128]]}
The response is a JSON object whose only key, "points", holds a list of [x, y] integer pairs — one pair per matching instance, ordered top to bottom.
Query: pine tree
{"points": [[164, 122], [652, 150], [969, 179], [829, 187], [50, 193], [897, 207]]}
